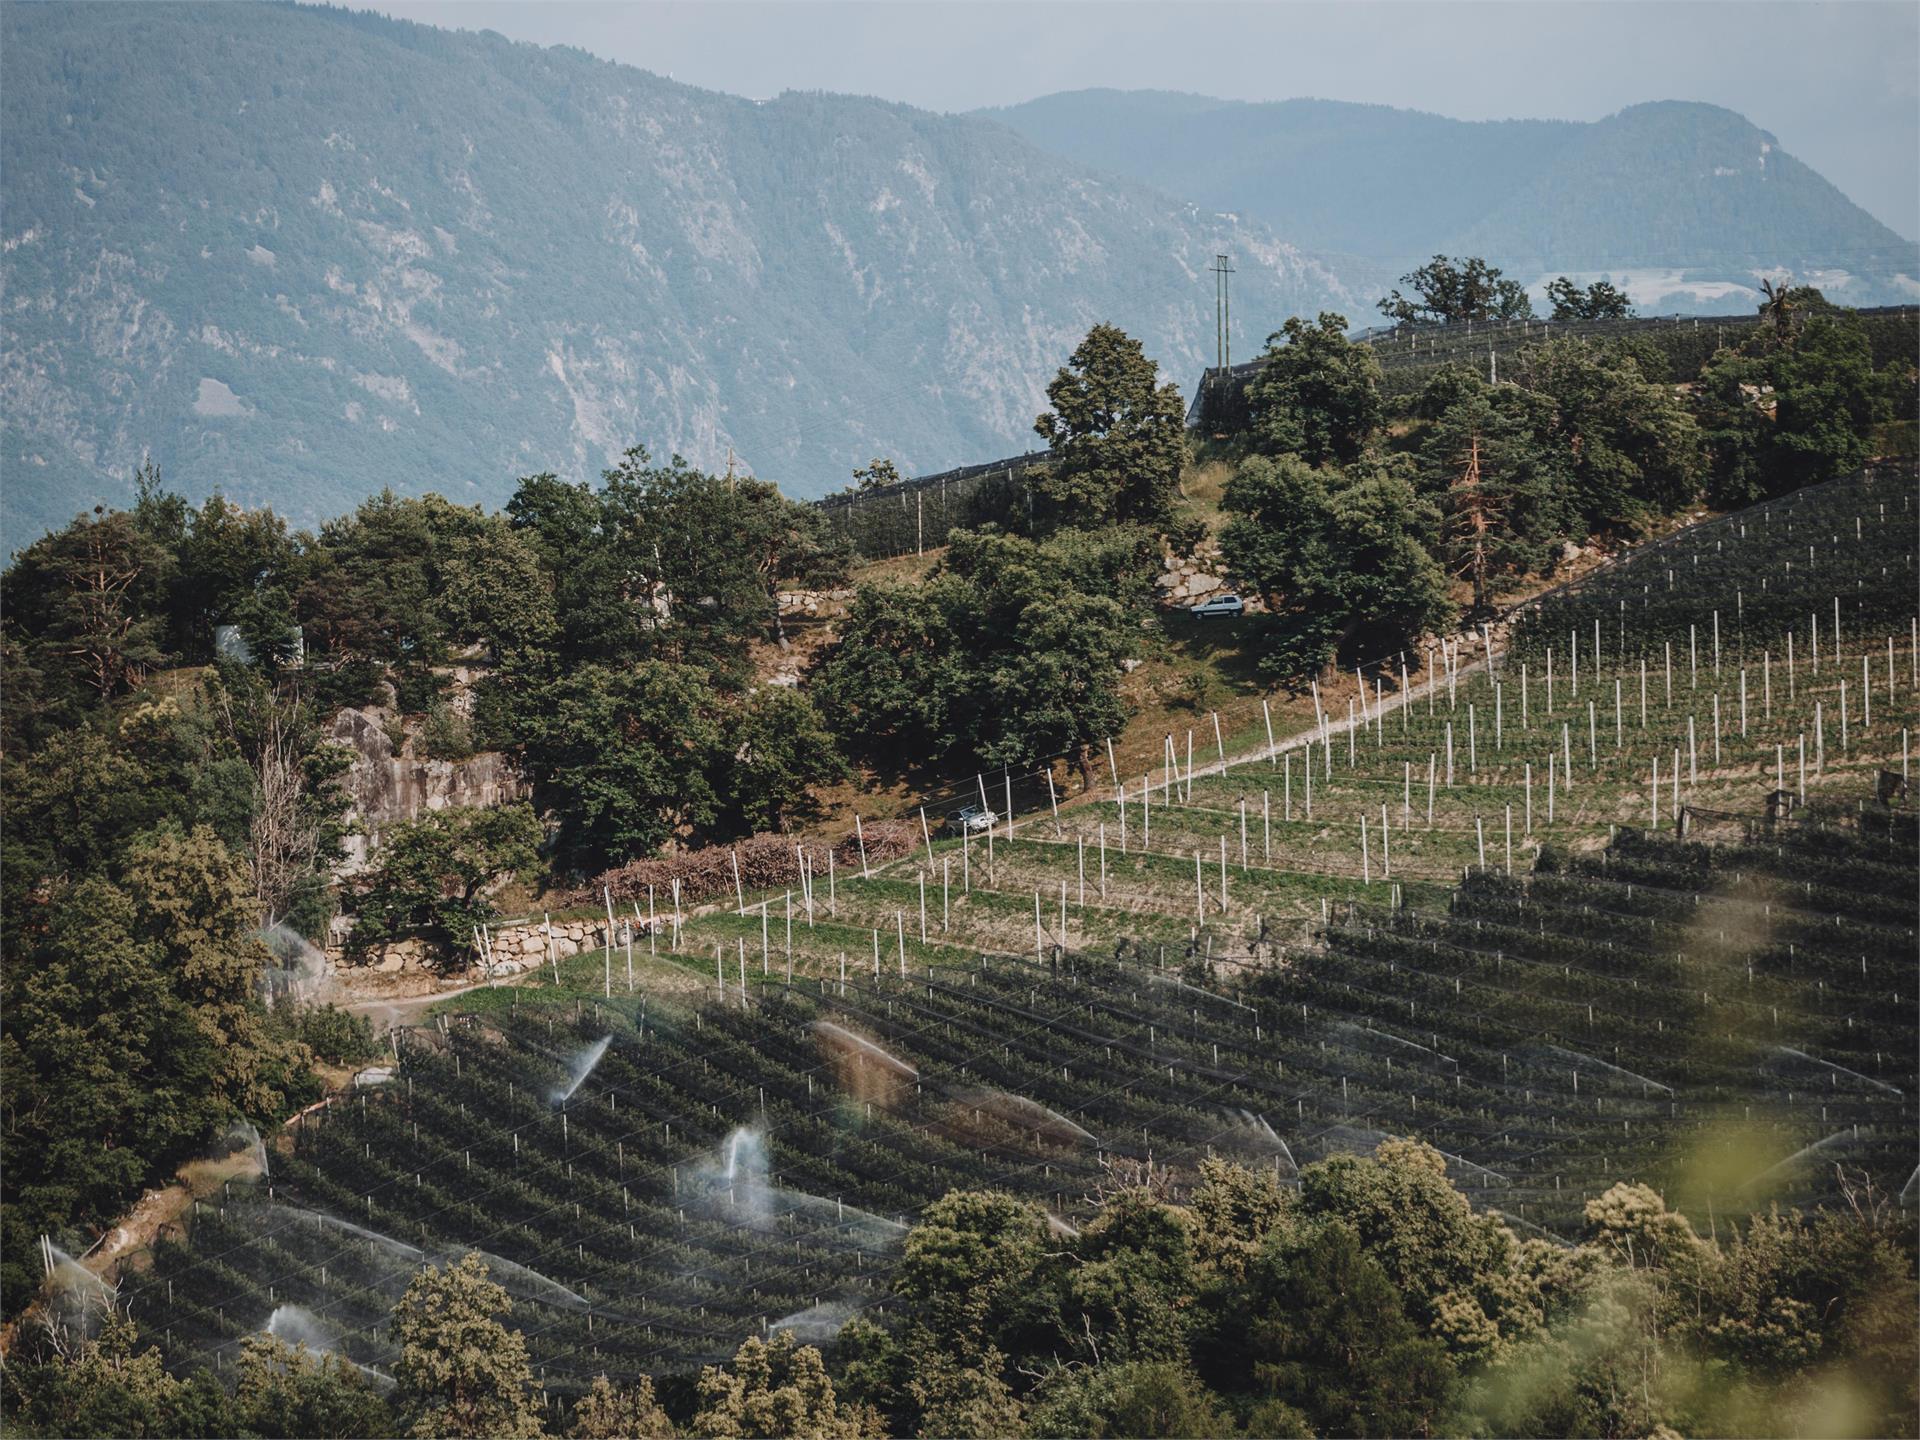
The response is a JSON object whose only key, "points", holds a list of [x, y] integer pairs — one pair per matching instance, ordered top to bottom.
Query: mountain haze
{"points": [[1689, 202], [301, 253]]}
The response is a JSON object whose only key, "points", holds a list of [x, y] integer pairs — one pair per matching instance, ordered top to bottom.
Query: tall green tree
{"points": [[1447, 291], [1598, 301], [1316, 395], [1118, 437], [1342, 560], [780, 749], [623, 759], [429, 876], [1327, 1332], [462, 1373], [776, 1389]]}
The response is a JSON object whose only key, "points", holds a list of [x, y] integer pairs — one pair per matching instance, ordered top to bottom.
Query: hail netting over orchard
{"points": [[1407, 353], [911, 516], [657, 1180]]}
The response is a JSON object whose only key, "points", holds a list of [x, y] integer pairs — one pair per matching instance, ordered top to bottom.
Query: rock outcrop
{"points": [[384, 789]]}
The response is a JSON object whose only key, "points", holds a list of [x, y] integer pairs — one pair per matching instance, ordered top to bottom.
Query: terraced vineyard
{"points": [[1481, 926]]}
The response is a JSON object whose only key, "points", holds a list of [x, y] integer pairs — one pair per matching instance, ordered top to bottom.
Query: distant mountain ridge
{"points": [[1690, 202], [302, 253]]}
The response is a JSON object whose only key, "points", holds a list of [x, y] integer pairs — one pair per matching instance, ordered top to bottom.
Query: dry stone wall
{"points": [[1190, 580]]}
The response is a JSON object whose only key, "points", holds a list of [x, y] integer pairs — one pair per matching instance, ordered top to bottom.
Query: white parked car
{"points": [[1219, 605], [972, 817]]}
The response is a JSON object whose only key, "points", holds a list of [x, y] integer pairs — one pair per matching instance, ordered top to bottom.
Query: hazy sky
{"points": [[1838, 84]]}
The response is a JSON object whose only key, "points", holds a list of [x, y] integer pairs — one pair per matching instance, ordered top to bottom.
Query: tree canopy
{"points": [[1447, 291]]}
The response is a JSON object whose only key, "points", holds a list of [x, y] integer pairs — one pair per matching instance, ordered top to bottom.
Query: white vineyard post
{"points": [[606, 894]]}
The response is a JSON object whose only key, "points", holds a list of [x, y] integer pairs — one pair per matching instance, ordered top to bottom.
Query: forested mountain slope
{"points": [[1686, 200], [301, 253]]}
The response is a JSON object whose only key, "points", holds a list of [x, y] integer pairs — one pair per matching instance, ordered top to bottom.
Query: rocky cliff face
{"points": [[384, 789]]}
